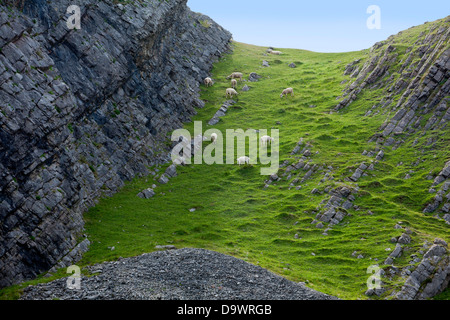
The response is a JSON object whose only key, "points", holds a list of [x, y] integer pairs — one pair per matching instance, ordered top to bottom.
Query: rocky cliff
{"points": [[82, 111]]}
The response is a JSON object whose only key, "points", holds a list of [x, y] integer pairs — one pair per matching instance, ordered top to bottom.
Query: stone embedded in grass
{"points": [[265, 64], [292, 65], [254, 77], [245, 88], [221, 112], [380, 155], [171, 171], [274, 177], [163, 179], [146, 194], [446, 208], [404, 239], [397, 252]]}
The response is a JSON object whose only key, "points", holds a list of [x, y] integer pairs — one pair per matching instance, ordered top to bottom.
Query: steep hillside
{"points": [[82, 111]]}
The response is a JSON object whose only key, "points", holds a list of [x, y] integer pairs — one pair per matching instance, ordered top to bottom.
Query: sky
{"points": [[318, 25]]}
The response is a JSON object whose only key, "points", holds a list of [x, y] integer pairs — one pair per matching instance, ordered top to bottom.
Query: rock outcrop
{"points": [[82, 111], [186, 274], [431, 277]]}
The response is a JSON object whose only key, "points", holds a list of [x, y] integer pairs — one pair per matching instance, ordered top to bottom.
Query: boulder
{"points": [[254, 77]]}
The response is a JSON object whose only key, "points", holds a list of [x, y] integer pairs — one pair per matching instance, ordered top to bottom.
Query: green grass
{"points": [[236, 216]]}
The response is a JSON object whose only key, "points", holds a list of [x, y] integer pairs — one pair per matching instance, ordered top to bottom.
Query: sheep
{"points": [[274, 52], [236, 75], [208, 82], [234, 83], [286, 92], [231, 93], [214, 138], [266, 140], [243, 160]]}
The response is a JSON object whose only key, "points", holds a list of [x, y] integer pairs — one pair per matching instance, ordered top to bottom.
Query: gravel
{"points": [[185, 274]]}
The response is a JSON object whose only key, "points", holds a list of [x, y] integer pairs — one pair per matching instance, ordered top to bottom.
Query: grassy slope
{"points": [[236, 216]]}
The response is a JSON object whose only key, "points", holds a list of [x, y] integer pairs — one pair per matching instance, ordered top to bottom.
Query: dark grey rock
{"points": [[93, 107], [163, 179], [147, 194], [187, 274]]}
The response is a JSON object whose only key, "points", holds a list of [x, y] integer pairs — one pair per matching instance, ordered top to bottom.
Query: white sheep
{"points": [[276, 52], [236, 75], [208, 82], [234, 83], [230, 92], [286, 92], [214, 138], [266, 140], [243, 160]]}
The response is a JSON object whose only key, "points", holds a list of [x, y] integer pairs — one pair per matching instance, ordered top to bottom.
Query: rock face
{"points": [[81, 111], [221, 112]]}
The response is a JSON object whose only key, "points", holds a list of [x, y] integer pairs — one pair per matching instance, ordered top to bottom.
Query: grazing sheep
{"points": [[236, 75], [208, 82], [234, 83], [286, 92], [231, 93], [214, 138], [266, 140], [243, 160]]}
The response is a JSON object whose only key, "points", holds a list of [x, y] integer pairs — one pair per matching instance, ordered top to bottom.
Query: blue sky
{"points": [[316, 25]]}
